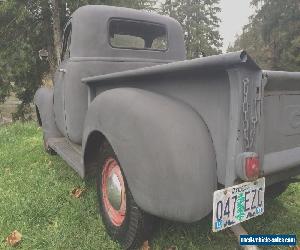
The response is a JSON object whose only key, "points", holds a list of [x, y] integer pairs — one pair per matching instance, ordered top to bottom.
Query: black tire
{"points": [[38, 117], [39, 123], [47, 149], [276, 189], [137, 226]]}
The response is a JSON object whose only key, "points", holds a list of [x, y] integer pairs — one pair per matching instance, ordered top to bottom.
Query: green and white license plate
{"points": [[238, 203]]}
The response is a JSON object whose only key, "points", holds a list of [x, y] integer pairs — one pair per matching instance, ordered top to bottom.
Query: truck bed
{"points": [[215, 88]]}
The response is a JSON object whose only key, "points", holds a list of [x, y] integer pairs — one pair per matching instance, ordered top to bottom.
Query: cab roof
{"points": [[90, 33]]}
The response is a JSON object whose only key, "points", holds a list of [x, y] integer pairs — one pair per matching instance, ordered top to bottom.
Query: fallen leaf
{"points": [[77, 192], [53, 223], [14, 238], [145, 246], [172, 248]]}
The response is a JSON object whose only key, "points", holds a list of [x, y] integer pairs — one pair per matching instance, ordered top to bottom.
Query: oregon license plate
{"points": [[238, 203]]}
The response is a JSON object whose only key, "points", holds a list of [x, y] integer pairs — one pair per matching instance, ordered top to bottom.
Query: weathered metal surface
{"points": [[90, 34], [205, 84], [176, 127], [164, 148], [113, 188]]}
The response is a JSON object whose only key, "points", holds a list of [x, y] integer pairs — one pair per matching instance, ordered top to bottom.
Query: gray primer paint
{"points": [[90, 34], [91, 54], [193, 83], [43, 99], [176, 128], [164, 147]]}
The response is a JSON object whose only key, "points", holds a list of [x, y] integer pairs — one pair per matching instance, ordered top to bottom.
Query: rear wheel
{"points": [[39, 123], [125, 222]]}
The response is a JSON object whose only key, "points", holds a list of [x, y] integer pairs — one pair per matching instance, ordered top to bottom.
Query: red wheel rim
{"points": [[113, 191]]}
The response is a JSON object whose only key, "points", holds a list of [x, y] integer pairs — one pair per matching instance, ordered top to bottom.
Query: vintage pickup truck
{"points": [[167, 137]]}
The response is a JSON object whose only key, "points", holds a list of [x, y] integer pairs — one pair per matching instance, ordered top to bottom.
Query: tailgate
{"points": [[281, 112]]}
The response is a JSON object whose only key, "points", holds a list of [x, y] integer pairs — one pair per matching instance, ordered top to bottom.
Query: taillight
{"points": [[252, 167]]}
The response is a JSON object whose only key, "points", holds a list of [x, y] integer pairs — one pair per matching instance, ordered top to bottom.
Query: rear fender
{"points": [[43, 100], [164, 148]]}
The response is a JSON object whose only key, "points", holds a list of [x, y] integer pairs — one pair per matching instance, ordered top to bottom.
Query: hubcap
{"points": [[113, 191]]}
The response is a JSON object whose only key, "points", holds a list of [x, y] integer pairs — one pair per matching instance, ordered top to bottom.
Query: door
{"points": [[59, 82]]}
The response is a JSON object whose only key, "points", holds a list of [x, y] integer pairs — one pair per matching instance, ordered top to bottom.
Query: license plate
{"points": [[238, 203]]}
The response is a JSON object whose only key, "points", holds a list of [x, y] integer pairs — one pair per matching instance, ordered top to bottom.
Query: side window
{"points": [[66, 43]]}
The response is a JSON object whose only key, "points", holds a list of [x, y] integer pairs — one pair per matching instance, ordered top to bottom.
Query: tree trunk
{"points": [[56, 29]]}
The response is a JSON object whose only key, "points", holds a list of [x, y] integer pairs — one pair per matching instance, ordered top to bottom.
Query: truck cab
{"points": [[103, 39], [160, 133]]}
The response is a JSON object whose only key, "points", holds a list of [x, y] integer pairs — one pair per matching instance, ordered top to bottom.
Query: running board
{"points": [[70, 153]]}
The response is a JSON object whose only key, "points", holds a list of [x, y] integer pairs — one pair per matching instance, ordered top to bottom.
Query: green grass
{"points": [[35, 200]]}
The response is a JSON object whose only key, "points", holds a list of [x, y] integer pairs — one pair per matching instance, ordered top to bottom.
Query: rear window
{"points": [[129, 34]]}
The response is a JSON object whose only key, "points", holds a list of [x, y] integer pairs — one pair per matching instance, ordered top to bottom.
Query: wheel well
{"points": [[38, 116], [92, 152]]}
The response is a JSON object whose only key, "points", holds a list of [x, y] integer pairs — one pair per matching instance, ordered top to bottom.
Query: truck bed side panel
{"points": [[211, 86], [207, 93], [281, 121]]}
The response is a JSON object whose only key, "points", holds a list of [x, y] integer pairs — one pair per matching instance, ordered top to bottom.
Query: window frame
{"points": [[137, 21], [65, 45]]}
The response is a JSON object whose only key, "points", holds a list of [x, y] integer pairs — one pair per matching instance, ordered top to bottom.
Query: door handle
{"points": [[62, 70]]}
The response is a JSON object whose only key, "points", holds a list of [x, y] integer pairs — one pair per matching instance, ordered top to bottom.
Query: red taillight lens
{"points": [[252, 167]]}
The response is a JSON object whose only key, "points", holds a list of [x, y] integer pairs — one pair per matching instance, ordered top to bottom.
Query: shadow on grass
{"points": [[282, 216]]}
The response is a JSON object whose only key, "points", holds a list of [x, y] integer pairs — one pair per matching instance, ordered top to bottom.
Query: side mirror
{"points": [[43, 54]]}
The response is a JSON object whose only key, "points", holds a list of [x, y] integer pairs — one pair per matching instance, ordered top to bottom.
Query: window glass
{"points": [[137, 35], [66, 43]]}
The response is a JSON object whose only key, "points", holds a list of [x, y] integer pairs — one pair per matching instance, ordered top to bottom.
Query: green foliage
{"points": [[135, 4], [200, 24], [25, 28], [23, 33], [273, 34], [4, 89], [35, 200]]}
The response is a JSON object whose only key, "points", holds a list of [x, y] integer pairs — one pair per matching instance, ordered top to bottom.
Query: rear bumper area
{"points": [[281, 161], [282, 175]]}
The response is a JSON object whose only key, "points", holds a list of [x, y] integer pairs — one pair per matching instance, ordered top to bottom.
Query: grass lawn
{"points": [[35, 200]]}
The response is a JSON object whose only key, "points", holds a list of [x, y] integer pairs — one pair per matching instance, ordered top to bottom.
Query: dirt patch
{"points": [[10, 107], [7, 108], [4, 120]]}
